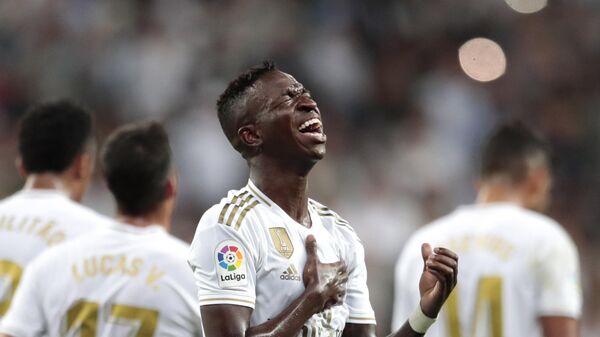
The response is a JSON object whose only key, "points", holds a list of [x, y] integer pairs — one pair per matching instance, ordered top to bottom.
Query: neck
{"points": [[47, 181], [285, 186], [498, 192], [158, 217]]}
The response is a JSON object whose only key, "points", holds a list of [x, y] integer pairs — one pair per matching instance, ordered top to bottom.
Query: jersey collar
{"points": [[46, 192], [259, 194], [315, 220], [123, 227]]}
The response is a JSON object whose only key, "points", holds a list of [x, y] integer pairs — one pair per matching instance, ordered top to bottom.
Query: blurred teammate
{"points": [[56, 155], [255, 257], [519, 269], [130, 279]]}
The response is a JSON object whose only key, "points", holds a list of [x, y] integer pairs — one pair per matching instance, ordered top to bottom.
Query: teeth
{"points": [[308, 123]]}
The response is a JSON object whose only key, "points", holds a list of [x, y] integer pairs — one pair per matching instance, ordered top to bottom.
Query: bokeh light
{"points": [[527, 6], [482, 59]]}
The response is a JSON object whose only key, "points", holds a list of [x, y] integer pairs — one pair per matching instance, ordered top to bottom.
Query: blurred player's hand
{"points": [[440, 271], [325, 281]]}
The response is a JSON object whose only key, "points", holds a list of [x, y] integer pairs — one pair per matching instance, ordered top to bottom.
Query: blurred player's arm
{"points": [[439, 277], [325, 287], [560, 297], [25, 317], [555, 326]]}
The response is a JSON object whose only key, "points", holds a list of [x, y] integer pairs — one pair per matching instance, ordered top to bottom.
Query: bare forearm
{"points": [[289, 322], [557, 326]]}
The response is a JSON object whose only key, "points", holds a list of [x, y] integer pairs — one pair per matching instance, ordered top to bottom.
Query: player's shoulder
{"points": [[6, 200], [52, 202], [234, 210], [88, 215], [330, 217], [542, 226], [436, 227], [172, 246], [55, 256]]}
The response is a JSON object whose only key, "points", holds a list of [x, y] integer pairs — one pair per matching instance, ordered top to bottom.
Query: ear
{"points": [[249, 135], [83, 166], [20, 167], [532, 183], [477, 184], [171, 187]]}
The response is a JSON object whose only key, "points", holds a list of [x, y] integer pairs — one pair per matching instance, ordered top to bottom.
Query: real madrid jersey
{"points": [[31, 221], [247, 251], [515, 266], [120, 281]]}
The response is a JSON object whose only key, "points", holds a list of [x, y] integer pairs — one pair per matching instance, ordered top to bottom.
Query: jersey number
{"points": [[12, 273], [488, 302], [83, 315]]}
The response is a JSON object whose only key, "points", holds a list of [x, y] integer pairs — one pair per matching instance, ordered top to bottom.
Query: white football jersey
{"points": [[31, 221], [247, 251], [515, 266], [116, 282]]}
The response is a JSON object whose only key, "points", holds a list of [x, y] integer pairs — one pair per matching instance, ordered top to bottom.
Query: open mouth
{"points": [[312, 125]]}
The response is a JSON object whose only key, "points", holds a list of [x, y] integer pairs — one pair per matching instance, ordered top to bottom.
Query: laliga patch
{"points": [[231, 265]]}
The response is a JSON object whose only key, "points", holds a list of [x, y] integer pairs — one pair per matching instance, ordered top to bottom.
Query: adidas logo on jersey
{"points": [[290, 274]]}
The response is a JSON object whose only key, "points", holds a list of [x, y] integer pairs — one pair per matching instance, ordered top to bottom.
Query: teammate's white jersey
{"points": [[31, 221], [247, 251], [515, 265], [116, 282]]}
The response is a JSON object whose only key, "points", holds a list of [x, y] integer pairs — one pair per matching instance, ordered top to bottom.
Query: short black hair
{"points": [[234, 95], [52, 134], [509, 148], [136, 163]]}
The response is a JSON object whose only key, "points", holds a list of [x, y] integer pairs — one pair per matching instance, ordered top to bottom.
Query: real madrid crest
{"points": [[282, 241]]}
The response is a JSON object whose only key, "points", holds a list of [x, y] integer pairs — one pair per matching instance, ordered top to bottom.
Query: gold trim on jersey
{"points": [[258, 195], [233, 201], [239, 201], [235, 209], [326, 212], [243, 214], [282, 242], [225, 299]]}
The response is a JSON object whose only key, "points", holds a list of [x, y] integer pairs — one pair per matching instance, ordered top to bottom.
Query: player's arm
{"points": [[558, 274], [439, 277], [325, 286], [25, 317], [556, 326]]}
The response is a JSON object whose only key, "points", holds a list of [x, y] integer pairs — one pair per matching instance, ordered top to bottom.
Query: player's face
{"points": [[290, 121]]}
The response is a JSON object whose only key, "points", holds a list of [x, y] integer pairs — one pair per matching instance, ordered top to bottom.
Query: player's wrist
{"points": [[314, 299], [429, 308], [419, 321]]}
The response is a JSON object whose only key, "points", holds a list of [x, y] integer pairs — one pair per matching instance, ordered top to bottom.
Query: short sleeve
{"points": [[224, 262], [558, 276], [357, 293], [25, 318]]}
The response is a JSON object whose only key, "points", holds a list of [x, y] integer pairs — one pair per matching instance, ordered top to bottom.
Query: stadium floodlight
{"points": [[527, 6], [482, 59]]}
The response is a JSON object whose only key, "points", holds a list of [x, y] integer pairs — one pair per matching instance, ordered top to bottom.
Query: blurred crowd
{"points": [[404, 123]]}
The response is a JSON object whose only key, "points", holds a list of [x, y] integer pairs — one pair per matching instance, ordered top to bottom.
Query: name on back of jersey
{"points": [[43, 229], [492, 243], [230, 263], [121, 265]]}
